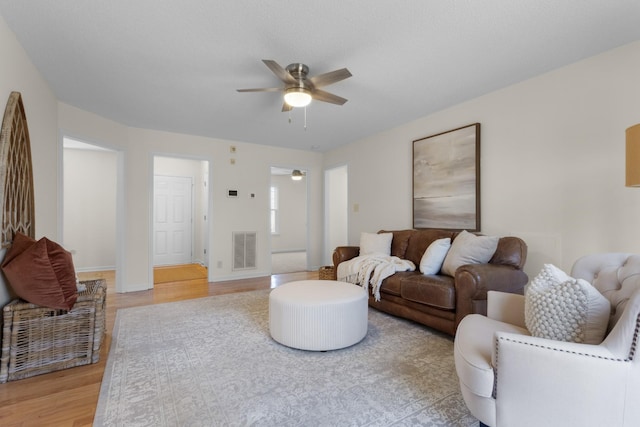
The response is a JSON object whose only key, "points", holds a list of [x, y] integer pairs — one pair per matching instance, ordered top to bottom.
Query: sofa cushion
{"points": [[420, 241], [400, 242], [375, 243], [467, 248], [392, 284], [435, 291], [559, 307]]}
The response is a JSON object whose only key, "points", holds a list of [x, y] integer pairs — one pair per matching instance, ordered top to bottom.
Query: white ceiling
{"points": [[176, 65]]}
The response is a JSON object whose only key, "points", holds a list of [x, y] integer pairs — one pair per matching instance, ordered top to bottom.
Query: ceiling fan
{"points": [[299, 89]]}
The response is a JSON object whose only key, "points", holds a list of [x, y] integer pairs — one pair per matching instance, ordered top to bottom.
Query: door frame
{"points": [[306, 184], [120, 198], [327, 199], [209, 203]]}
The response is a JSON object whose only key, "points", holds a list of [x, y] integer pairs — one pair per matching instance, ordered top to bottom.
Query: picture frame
{"points": [[446, 180]]}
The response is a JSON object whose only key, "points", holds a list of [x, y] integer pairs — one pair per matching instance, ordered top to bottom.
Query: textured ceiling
{"points": [[176, 65]]}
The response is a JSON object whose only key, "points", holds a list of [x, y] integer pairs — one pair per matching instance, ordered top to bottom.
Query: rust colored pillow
{"points": [[41, 272]]}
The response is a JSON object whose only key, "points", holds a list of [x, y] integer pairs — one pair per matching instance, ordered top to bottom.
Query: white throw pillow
{"points": [[375, 243], [467, 248], [433, 257], [562, 308]]}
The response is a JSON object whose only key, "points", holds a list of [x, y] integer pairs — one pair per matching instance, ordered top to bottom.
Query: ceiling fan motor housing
{"points": [[298, 71]]}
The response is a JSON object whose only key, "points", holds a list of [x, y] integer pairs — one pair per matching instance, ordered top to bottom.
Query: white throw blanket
{"points": [[372, 269]]}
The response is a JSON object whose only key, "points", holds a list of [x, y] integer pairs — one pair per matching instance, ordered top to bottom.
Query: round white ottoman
{"points": [[318, 315]]}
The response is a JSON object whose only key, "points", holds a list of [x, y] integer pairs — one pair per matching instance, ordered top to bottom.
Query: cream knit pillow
{"points": [[562, 308]]}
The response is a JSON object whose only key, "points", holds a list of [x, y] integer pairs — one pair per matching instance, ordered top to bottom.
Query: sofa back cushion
{"points": [[420, 241], [400, 242], [411, 244]]}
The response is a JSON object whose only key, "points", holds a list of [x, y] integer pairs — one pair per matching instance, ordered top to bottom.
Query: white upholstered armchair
{"points": [[509, 378]]}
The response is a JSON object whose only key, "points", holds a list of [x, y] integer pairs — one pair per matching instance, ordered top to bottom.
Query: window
{"points": [[275, 218]]}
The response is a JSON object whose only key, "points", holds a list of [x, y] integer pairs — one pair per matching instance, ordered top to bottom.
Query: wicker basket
{"points": [[327, 273], [37, 340]]}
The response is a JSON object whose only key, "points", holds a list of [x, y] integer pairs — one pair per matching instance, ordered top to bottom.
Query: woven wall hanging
{"points": [[16, 175]]}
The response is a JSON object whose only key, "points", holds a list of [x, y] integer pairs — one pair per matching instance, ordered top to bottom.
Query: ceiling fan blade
{"points": [[280, 72], [330, 77], [263, 89], [321, 95], [286, 107]]}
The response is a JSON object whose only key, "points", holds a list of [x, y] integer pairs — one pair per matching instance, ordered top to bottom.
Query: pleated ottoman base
{"points": [[318, 315]]}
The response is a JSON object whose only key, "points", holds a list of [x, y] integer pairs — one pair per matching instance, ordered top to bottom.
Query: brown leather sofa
{"points": [[441, 301]]}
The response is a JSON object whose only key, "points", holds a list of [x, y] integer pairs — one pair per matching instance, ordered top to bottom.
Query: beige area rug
{"points": [[175, 273], [212, 362]]}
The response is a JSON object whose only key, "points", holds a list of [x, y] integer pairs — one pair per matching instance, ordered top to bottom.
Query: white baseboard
{"points": [[96, 268], [252, 275]]}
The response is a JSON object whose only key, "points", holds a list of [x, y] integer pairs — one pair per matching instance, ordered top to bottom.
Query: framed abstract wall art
{"points": [[446, 180]]}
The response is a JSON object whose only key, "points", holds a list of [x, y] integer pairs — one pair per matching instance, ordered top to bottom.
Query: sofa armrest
{"points": [[344, 253], [474, 280], [506, 307], [560, 377]]}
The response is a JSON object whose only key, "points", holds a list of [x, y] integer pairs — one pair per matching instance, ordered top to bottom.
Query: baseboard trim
{"points": [[95, 268]]}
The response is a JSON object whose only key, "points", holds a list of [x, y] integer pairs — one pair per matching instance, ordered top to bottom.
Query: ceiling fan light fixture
{"points": [[297, 97], [296, 175]]}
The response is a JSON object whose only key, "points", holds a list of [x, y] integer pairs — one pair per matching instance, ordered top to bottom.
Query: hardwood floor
{"points": [[69, 397]]}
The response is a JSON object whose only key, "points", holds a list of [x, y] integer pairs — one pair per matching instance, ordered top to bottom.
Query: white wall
{"points": [[17, 73], [552, 162], [249, 174], [293, 214], [89, 223]]}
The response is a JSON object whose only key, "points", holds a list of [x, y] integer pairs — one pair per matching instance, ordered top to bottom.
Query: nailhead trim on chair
{"points": [[634, 343], [632, 352], [495, 372]]}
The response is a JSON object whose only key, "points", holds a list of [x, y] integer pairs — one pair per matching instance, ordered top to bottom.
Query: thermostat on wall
{"points": [[232, 193]]}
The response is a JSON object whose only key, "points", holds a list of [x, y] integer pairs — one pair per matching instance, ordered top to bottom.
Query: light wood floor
{"points": [[69, 397]]}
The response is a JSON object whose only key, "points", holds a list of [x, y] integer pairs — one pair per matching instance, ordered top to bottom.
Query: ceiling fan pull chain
{"points": [[289, 116], [305, 118]]}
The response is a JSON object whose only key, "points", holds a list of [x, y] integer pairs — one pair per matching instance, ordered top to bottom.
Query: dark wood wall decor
{"points": [[16, 175], [446, 180]]}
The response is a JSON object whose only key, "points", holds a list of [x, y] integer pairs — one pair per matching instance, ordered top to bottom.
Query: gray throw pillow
{"points": [[467, 248]]}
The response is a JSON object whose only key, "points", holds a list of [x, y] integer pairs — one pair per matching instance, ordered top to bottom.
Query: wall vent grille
{"points": [[244, 250]]}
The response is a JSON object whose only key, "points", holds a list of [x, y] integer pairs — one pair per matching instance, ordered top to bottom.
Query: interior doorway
{"points": [[90, 203], [336, 210], [180, 218], [288, 220]]}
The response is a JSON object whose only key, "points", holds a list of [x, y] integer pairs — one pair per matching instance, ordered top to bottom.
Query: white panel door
{"points": [[172, 228]]}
